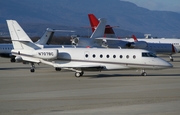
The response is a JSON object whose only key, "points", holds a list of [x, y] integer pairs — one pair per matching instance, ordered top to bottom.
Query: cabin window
{"points": [[148, 54], [86, 55], [94, 55], [101, 56], [107, 56], [114, 56], [120, 56], [127, 56], [134, 57]]}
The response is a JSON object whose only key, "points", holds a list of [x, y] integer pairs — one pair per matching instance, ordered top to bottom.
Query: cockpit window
{"points": [[148, 54]]}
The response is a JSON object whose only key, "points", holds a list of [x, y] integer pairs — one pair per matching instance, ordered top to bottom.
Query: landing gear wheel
{"points": [[171, 58], [13, 60], [32, 67], [58, 69], [32, 70], [82, 73], [78, 74], [144, 74]]}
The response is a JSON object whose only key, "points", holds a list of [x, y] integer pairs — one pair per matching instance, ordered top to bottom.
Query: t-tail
{"points": [[93, 21], [99, 31], [109, 32], [47, 37], [19, 38], [25, 49]]}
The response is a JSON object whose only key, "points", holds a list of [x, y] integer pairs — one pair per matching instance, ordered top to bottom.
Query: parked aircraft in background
{"points": [[108, 32], [174, 42], [158, 46], [5, 49], [88, 59]]}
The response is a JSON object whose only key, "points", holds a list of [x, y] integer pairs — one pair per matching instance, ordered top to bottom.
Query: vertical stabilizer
{"points": [[93, 21], [99, 31], [109, 32], [19, 38], [46, 38]]}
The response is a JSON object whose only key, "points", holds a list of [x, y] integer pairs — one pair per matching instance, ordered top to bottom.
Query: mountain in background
{"points": [[37, 15]]}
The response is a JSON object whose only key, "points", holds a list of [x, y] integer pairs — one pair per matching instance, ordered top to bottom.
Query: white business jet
{"points": [[174, 41], [82, 59]]}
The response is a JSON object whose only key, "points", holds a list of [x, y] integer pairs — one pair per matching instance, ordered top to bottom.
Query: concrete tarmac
{"points": [[126, 92]]}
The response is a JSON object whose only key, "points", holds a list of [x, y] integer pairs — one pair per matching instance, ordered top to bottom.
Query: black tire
{"points": [[13, 60], [58, 69], [32, 70], [144, 74]]}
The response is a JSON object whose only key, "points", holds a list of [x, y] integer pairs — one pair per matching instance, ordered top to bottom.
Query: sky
{"points": [[160, 5]]}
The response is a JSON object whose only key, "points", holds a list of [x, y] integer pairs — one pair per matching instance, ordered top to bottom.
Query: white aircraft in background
{"points": [[174, 42], [165, 47], [5, 49], [82, 59]]}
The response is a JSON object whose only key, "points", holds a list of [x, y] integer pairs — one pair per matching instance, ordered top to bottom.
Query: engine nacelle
{"points": [[74, 40], [138, 44], [46, 53], [18, 59]]}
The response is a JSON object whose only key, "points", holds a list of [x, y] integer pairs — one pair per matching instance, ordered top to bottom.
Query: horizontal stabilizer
{"points": [[30, 59]]}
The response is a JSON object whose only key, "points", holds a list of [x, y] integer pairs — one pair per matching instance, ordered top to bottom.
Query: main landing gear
{"points": [[13, 59], [32, 67], [58, 69], [79, 74]]}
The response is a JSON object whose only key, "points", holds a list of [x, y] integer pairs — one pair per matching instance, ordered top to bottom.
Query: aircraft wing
{"points": [[108, 39], [86, 67]]}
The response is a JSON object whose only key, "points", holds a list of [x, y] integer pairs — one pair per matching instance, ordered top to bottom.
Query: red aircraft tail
{"points": [[94, 22], [134, 37]]}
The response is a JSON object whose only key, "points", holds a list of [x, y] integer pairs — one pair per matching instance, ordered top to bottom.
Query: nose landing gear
{"points": [[171, 58], [143, 73]]}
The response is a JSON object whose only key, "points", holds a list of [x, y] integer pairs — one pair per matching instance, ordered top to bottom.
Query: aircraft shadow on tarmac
{"points": [[174, 61], [14, 68], [126, 75]]}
